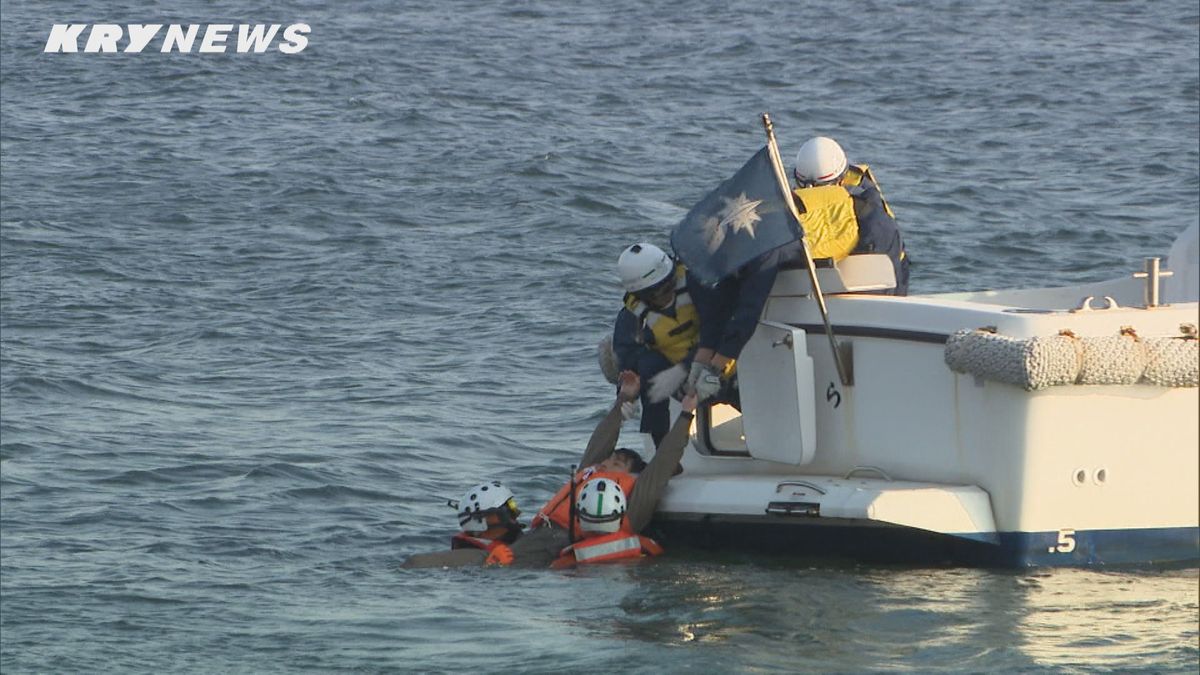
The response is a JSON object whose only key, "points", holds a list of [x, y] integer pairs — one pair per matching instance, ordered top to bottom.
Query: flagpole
{"points": [[786, 188]]}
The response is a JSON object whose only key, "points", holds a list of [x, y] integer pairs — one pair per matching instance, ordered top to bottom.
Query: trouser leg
{"points": [[656, 416]]}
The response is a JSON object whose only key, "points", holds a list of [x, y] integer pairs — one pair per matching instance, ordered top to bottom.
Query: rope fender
{"points": [[1055, 360]]}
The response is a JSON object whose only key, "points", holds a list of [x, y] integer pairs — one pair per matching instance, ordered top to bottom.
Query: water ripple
{"points": [[261, 317]]}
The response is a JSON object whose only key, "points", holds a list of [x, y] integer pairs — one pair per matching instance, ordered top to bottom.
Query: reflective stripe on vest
{"points": [[829, 221], [671, 336], [621, 545], [628, 546]]}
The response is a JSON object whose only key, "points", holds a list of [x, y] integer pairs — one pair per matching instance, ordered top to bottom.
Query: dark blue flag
{"points": [[743, 218]]}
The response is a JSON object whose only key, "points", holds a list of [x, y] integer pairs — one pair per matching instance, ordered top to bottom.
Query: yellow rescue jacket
{"points": [[830, 225], [675, 335]]}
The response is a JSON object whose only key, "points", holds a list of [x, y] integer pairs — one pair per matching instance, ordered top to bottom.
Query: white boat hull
{"points": [[993, 473]]}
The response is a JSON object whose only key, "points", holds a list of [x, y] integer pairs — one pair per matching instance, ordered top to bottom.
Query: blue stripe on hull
{"points": [[876, 542], [1167, 545]]}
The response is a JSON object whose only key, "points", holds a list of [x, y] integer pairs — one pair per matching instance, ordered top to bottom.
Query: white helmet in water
{"points": [[820, 161], [642, 266], [484, 499], [600, 506]]}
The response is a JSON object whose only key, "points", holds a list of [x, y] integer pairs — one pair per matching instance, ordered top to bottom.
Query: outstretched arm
{"points": [[604, 438], [653, 479]]}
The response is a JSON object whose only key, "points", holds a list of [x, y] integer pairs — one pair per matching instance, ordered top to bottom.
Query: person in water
{"points": [[487, 517], [553, 528], [605, 534]]}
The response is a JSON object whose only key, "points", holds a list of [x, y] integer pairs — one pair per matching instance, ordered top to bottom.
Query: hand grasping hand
{"points": [[628, 385]]}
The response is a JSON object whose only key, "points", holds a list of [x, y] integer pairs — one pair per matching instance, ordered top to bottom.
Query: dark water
{"points": [[260, 313]]}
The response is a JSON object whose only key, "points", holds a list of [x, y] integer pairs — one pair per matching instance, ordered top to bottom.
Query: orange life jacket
{"points": [[558, 509], [464, 540], [620, 545]]}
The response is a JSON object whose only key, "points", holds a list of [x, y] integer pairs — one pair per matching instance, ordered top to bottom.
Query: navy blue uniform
{"points": [[878, 232], [729, 311]]}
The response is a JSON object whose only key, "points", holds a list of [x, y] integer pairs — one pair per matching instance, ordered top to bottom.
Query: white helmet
{"points": [[820, 161], [642, 266], [481, 500], [601, 505]]}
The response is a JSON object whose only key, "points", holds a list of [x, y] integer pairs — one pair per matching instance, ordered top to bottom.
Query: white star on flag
{"points": [[739, 214]]}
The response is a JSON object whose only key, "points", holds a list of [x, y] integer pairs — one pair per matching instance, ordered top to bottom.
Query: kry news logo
{"points": [[105, 37]]}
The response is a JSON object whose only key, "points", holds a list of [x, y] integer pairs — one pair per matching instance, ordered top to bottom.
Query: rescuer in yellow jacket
{"points": [[843, 210], [657, 329]]}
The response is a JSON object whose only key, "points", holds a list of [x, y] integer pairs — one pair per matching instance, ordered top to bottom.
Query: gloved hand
{"points": [[694, 374], [667, 382], [708, 384], [501, 555]]}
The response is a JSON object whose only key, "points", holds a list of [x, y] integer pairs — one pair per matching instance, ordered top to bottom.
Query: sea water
{"points": [[261, 314]]}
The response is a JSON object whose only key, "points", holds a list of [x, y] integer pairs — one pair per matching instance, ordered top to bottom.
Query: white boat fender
{"points": [[1041, 362], [1173, 362]]}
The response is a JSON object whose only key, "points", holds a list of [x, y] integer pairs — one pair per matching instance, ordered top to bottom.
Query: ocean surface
{"points": [[261, 314]]}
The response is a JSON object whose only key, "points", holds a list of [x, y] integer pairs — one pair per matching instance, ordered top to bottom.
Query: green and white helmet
{"points": [[600, 505]]}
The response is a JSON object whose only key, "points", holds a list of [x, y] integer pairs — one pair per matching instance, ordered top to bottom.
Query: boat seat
{"points": [[861, 273]]}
